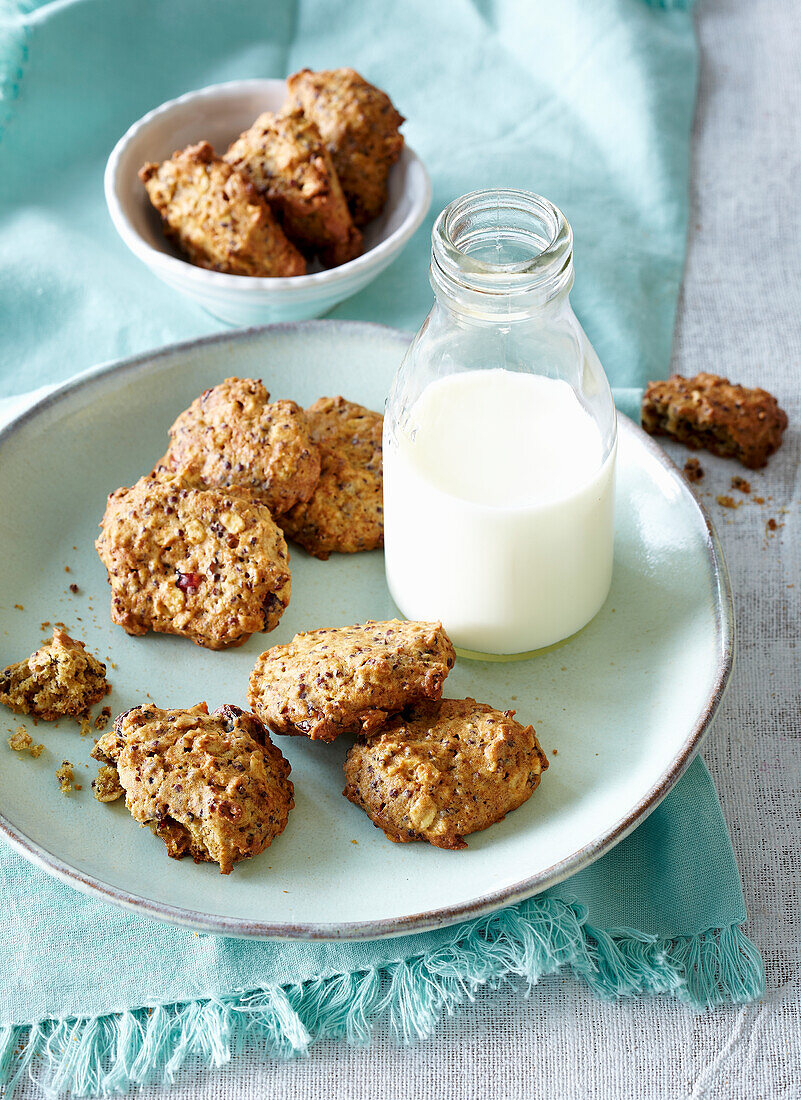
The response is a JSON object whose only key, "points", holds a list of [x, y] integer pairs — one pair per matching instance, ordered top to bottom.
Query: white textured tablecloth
{"points": [[740, 316]]}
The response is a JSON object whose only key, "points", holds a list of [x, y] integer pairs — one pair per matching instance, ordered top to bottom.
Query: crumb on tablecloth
{"points": [[693, 470], [741, 484], [728, 502], [74, 589], [65, 776]]}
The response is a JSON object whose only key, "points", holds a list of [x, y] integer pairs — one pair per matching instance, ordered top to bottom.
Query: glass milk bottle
{"points": [[500, 438]]}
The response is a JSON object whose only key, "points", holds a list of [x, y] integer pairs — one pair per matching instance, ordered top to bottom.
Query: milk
{"points": [[498, 512]]}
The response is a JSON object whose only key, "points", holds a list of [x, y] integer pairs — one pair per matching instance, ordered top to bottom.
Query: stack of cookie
{"points": [[296, 185], [422, 767]]}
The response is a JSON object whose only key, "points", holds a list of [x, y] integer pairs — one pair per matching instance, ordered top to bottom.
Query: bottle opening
{"points": [[502, 242]]}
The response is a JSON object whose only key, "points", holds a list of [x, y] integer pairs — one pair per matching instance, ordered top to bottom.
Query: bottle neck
{"points": [[501, 256]]}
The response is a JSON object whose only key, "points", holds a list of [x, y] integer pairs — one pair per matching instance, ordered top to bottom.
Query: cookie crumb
{"points": [[693, 470], [741, 484], [758, 500], [728, 502], [772, 524], [67, 569], [74, 589], [19, 607], [45, 625], [102, 719], [86, 725], [21, 741], [555, 752], [65, 776]]}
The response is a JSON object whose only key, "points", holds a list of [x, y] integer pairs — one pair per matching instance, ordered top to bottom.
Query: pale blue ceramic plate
{"points": [[626, 703]]}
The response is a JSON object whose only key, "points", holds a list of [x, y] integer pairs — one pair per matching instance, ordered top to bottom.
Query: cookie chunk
{"points": [[359, 125], [287, 162], [217, 217], [710, 412], [233, 435], [345, 514], [208, 564], [59, 679], [349, 679], [443, 770], [107, 786], [212, 786]]}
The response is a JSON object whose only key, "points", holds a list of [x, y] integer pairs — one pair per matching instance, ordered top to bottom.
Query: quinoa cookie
{"points": [[359, 125], [286, 160], [217, 217], [711, 412], [233, 435], [346, 512], [208, 564], [59, 679], [349, 679], [443, 770], [212, 786]]}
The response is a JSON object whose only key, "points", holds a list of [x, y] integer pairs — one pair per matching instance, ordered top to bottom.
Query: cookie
{"points": [[359, 125], [286, 160], [217, 217], [712, 413], [233, 435], [345, 513], [208, 564], [59, 679], [349, 679], [443, 770], [212, 786]]}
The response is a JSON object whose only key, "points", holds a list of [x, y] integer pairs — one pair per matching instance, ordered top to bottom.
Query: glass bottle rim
{"points": [[521, 225]]}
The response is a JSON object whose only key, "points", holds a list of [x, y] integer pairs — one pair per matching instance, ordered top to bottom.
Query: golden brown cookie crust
{"points": [[359, 125], [286, 160], [217, 217], [710, 412], [232, 435], [346, 512], [207, 564], [59, 679], [349, 679], [443, 770], [212, 786]]}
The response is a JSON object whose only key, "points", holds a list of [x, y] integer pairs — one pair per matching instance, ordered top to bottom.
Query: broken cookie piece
{"points": [[712, 413], [59, 679], [21, 741], [65, 776], [107, 786], [212, 786]]}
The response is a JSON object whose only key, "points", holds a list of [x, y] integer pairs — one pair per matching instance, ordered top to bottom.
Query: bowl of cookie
{"points": [[269, 200]]}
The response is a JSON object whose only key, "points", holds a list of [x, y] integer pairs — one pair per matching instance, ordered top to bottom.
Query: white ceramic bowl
{"points": [[218, 114]]}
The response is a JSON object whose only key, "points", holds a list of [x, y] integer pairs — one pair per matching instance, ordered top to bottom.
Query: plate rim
{"points": [[443, 916]]}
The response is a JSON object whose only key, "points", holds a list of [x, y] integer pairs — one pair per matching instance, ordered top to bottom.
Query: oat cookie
{"points": [[359, 125], [286, 160], [217, 217], [710, 412], [233, 435], [345, 514], [208, 564], [59, 679], [349, 679], [444, 769], [212, 786]]}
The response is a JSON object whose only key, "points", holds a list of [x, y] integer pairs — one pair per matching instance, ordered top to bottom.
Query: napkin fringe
{"points": [[110, 1054]]}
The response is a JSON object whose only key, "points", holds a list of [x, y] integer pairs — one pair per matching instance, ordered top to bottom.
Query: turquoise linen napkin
{"points": [[586, 101]]}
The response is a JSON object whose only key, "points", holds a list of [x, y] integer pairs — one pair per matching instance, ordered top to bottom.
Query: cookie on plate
{"points": [[359, 125], [287, 162], [217, 217], [710, 412], [234, 435], [345, 513], [208, 564], [59, 679], [349, 679], [443, 770], [212, 786]]}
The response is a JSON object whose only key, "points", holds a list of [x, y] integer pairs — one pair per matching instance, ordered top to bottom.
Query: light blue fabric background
{"points": [[586, 101]]}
